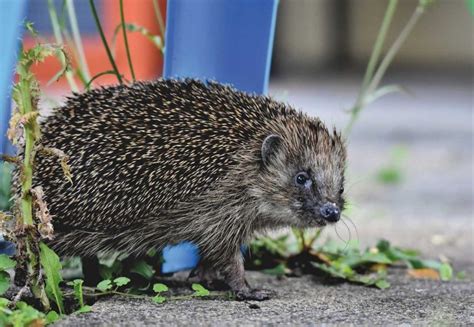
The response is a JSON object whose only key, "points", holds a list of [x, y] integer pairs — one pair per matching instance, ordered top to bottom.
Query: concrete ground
{"points": [[430, 209], [300, 301]]}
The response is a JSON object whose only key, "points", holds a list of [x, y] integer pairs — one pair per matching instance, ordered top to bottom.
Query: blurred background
{"points": [[410, 173]]}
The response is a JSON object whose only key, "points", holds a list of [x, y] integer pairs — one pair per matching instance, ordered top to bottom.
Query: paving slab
{"points": [[300, 301]]}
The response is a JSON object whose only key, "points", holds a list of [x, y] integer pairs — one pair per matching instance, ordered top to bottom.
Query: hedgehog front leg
{"points": [[234, 274]]}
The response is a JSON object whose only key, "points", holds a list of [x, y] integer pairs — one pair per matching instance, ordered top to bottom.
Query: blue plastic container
{"points": [[11, 17], [226, 41]]}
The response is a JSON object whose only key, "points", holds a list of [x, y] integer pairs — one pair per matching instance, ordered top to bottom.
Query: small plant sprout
{"points": [[346, 262], [77, 284], [105, 285], [159, 288], [200, 290]]}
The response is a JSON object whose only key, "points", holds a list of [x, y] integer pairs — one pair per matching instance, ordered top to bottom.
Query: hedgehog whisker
{"points": [[353, 225], [349, 232], [338, 235]]}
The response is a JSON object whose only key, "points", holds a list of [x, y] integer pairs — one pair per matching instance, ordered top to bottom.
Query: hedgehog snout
{"points": [[330, 212]]}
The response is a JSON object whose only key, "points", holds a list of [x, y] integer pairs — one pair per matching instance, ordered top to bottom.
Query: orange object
{"points": [[147, 59]]}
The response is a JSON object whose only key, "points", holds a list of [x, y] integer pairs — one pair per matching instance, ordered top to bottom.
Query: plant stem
{"points": [[420, 9], [159, 17], [59, 39], [77, 39], [104, 41], [377, 50], [374, 58], [129, 59], [108, 72], [368, 88], [27, 171], [25, 220], [314, 238]]}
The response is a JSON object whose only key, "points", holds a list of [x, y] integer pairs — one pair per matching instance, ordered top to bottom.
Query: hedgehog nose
{"points": [[330, 212]]}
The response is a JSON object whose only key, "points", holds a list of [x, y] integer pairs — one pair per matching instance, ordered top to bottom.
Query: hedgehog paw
{"points": [[253, 295]]}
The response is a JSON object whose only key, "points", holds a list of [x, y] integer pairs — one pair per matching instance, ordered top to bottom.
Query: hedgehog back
{"points": [[140, 149]]}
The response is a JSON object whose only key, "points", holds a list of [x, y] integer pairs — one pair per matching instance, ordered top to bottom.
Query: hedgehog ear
{"points": [[270, 146]]}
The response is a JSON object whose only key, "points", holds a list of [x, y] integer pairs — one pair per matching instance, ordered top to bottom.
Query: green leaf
{"points": [[30, 28], [382, 91], [389, 175], [383, 245], [376, 258], [110, 259], [6, 262], [419, 263], [143, 269], [329, 269], [52, 270], [278, 270], [109, 272], [446, 272], [461, 275], [121, 281], [4, 282], [382, 284], [104, 285], [158, 288], [200, 290], [78, 293], [158, 299], [4, 302], [84, 309], [25, 315], [52, 316]]}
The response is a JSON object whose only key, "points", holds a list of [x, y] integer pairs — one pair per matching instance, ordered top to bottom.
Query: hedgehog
{"points": [[167, 161]]}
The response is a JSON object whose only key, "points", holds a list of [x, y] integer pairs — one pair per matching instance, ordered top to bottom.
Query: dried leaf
{"points": [[28, 117], [15, 130], [63, 157], [45, 227], [321, 256], [378, 267], [424, 273]]}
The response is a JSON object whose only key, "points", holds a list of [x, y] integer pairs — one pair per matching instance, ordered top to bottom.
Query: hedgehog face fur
{"points": [[302, 180]]}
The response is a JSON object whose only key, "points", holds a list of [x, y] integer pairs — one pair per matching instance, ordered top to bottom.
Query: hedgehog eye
{"points": [[302, 179], [341, 190]]}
